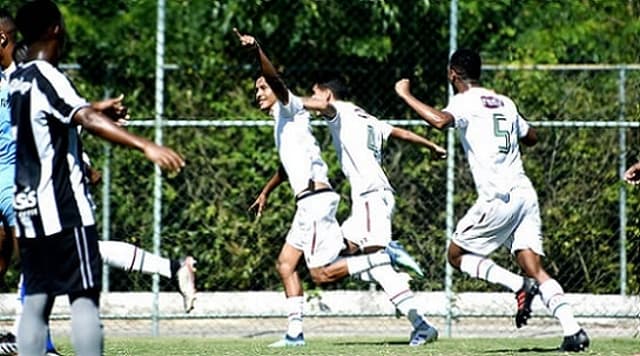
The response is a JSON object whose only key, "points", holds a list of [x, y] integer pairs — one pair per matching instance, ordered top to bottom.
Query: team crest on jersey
{"points": [[491, 102]]}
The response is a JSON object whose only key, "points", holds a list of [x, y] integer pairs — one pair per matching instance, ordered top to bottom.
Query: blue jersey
{"points": [[7, 142], [7, 150]]}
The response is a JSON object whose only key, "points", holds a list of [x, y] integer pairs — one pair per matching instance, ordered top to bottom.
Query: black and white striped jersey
{"points": [[49, 192]]}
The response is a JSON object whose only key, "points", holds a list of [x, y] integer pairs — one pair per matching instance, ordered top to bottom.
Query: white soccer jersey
{"points": [[489, 126], [358, 138], [298, 150], [50, 193]]}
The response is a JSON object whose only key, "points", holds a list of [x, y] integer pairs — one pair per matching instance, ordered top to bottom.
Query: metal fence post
{"points": [[622, 131], [451, 137], [157, 187], [106, 202]]}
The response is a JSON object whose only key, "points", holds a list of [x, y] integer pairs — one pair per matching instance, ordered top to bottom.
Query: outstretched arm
{"points": [[268, 70], [323, 107], [436, 118], [100, 125], [412, 137], [261, 201]]}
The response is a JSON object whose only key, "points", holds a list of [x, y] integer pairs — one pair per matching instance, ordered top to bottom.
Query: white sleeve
{"points": [[294, 105], [457, 110], [522, 126], [384, 128]]}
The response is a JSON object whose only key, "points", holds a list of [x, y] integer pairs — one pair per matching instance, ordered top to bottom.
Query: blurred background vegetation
{"points": [[372, 44]]}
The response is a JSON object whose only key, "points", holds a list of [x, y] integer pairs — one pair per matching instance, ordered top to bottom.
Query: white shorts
{"points": [[370, 221], [513, 222], [315, 230]]}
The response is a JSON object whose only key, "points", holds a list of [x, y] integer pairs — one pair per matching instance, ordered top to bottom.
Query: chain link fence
{"points": [[586, 122]]}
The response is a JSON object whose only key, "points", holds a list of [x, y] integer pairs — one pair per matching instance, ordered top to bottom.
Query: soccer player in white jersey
{"points": [[358, 139], [506, 212], [54, 216], [315, 232]]}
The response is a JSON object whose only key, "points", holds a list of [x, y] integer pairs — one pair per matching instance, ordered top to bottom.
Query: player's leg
{"points": [[7, 216], [371, 220], [485, 227], [527, 247], [131, 258], [286, 265], [481, 267], [21, 291], [552, 294], [86, 328], [32, 331]]}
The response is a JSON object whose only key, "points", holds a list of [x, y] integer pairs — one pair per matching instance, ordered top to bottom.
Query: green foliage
{"points": [[372, 44]]}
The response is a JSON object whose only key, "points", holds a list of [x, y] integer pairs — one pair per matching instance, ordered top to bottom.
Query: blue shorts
{"points": [[6, 193]]}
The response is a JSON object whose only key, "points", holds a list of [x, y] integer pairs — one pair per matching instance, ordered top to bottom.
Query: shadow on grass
{"points": [[372, 343], [524, 350]]}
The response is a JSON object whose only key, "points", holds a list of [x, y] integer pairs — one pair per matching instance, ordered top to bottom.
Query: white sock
{"points": [[131, 258], [362, 263], [484, 268], [396, 286], [553, 297], [295, 307]]}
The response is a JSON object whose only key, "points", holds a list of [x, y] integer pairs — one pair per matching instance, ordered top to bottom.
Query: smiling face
{"points": [[265, 97]]}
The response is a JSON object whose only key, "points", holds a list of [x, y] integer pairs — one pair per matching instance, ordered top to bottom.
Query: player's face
{"points": [[451, 76], [320, 93], [265, 97]]}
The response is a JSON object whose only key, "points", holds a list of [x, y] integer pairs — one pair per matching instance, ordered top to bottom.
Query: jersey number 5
{"points": [[503, 134]]}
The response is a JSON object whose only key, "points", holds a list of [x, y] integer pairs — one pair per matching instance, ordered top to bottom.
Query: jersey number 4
{"points": [[501, 134]]}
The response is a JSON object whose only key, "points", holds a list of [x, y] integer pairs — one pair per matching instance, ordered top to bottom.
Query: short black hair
{"points": [[34, 18], [6, 21], [466, 63], [336, 84]]}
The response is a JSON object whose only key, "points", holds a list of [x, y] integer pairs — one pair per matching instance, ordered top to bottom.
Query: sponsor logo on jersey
{"points": [[491, 102]]}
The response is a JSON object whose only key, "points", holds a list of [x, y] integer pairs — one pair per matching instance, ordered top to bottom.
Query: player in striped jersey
{"points": [[358, 138], [51, 201], [506, 212], [315, 232]]}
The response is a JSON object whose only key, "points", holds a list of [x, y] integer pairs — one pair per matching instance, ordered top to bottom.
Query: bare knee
{"points": [[454, 255], [285, 268]]}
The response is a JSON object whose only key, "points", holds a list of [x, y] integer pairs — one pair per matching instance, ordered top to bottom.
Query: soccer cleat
{"points": [[401, 258], [187, 282], [524, 297], [423, 334], [288, 341], [576, 342], [8, 345], [53, 352]]}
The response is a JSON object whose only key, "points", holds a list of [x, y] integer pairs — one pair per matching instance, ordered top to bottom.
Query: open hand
{"points": [[114, 109], [164, 157], [259, 204]]}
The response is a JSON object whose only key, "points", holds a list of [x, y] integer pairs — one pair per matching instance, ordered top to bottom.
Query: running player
{"points": [[358, 139], [51, 202], [506, 211], [315, 232]]}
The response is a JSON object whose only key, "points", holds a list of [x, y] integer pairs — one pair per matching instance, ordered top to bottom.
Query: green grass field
{"points": [[351, 346]]}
